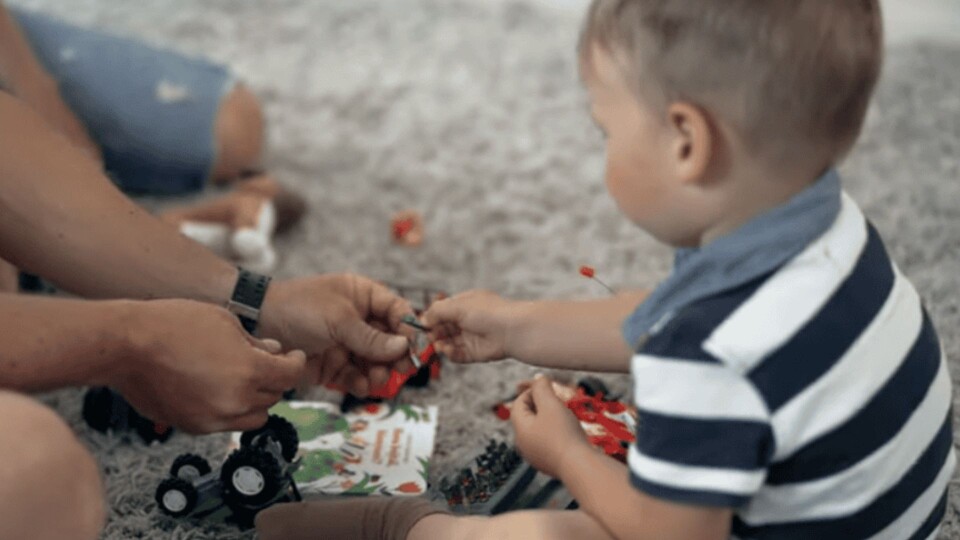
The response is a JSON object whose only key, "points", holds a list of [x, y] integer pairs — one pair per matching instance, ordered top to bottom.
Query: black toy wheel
{"points": [[593, 386], [97, 408], [280, 430], [189, 467], [250, 477], [176, 497]]}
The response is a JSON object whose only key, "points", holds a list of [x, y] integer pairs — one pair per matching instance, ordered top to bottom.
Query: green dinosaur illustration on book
{"points": [[312, 422], [317, 464]]}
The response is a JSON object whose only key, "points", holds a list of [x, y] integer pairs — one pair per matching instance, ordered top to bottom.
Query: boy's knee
{"points": [[239, 132], [50, 485]]}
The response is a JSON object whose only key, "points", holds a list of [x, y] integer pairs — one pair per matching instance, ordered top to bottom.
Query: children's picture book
{"points": [[377, 449]]}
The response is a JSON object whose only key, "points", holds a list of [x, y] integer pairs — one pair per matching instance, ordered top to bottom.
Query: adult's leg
{"points": [[167, 123], [239, 135], [9, 278], [50, 486]]}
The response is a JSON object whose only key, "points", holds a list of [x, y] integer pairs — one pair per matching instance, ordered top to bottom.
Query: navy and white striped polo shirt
{"points": [[812, 397]]}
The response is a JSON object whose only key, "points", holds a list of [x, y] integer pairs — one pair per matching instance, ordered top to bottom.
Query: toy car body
{"points": [[253, 477]]}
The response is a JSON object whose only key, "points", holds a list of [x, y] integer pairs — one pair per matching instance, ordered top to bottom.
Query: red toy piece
{"points": [[407, 228], [429, 360], [609, 423]]}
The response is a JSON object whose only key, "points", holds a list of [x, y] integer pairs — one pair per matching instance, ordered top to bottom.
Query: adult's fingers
{"points": [[385, 304], [369, 343], [271, 346], [331, 363], [280, 372], [246, 422]]}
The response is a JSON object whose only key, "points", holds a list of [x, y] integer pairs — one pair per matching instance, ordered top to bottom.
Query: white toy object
{"points": [[251, 247]]}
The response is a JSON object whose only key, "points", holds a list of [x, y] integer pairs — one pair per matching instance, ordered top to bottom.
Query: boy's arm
{"points": [[479, 326], [581, 335], [551, 439], [602, 488]]}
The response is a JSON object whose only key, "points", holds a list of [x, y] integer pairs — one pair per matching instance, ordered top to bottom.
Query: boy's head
{"points": [[783, 84]]}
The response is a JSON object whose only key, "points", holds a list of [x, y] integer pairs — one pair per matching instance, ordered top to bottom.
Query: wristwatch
{"points": [[247, 298]]}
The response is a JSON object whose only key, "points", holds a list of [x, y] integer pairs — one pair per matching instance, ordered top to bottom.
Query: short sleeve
{"points": [[704, 435]]}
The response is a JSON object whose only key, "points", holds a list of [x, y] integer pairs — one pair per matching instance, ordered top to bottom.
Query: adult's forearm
{"points": [[61, 218], [575, 334], [49, 343]]}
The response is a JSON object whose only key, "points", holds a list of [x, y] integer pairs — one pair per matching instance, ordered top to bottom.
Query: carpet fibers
{"points": [[471, 113]]}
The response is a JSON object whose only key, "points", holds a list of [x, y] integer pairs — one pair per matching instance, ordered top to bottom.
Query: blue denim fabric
{"points": [[152, 111]]}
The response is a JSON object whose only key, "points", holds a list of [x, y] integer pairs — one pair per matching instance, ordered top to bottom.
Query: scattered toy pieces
{"points": [[407, 228], [590, 273], [609, 423]]}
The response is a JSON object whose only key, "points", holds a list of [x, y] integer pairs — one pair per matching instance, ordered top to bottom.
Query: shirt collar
{"points": [[754, 249]]}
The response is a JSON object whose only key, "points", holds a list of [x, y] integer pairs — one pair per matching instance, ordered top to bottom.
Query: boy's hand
{"points": [[472, 327], [193, 366], [545, 429]]}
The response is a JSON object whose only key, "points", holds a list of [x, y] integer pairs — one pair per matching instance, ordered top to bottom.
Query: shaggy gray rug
{"points": [[471, 112]]}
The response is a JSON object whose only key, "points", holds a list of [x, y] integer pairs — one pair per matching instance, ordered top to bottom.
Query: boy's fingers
{"points": [[442, 312], [542, 392]]}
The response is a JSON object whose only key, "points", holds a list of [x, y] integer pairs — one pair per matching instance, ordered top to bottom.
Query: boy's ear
{"points": [[692, 144]]}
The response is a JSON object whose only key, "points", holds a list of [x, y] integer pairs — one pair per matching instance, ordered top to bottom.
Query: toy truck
{"points": [[253, 477]]}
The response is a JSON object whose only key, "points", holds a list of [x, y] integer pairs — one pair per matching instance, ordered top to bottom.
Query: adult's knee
{"points": [[240, 134], [50, 485]]}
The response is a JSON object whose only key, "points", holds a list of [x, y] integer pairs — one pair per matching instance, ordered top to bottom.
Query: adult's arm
{"points": [[22, 74], [61, 218]]}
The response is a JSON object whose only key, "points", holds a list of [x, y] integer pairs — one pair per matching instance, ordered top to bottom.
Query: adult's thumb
{"points": [[371, 344]]}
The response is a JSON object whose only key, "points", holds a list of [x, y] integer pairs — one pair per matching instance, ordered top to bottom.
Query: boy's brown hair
{"points": [[792, 77]]}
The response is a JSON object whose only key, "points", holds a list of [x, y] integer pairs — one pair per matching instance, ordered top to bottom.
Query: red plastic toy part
{"points": [[594, 410]]}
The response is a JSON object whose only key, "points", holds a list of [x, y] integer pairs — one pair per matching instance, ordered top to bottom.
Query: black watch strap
{"points": [[247, 298]]}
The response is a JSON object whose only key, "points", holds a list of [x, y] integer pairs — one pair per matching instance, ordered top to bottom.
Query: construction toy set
{"points": [[253, 477], [499, 481]]}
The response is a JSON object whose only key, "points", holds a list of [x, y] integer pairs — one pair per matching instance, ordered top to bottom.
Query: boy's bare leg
{"points": [[9, 278], [50, 486], [525, 525]]}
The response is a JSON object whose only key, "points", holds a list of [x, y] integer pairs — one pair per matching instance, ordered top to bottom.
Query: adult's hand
{"points": [[347, 324], [193, 366]]}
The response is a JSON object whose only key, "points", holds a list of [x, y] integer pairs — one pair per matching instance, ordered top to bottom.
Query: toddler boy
{"points": [[789, 382]]}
